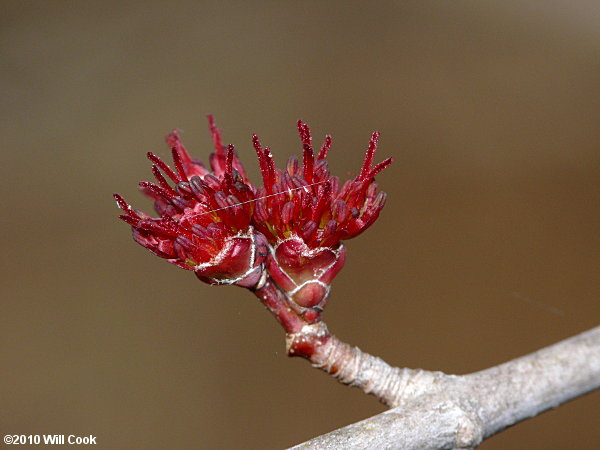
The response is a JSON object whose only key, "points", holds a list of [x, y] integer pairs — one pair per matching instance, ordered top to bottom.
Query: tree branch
{"points": [[348, 364], [351, 366], [433, 409], [446, 411]]}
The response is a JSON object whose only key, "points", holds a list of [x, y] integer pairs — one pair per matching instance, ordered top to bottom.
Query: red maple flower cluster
{"points": [[216, 223]]}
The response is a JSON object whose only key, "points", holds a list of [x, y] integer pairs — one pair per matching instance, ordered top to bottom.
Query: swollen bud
{"points": [[204, 222], [240, 261], [305, 274]]}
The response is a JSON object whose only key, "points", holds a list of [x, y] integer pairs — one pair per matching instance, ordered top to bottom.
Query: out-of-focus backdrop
{"points": [[488, 247]]}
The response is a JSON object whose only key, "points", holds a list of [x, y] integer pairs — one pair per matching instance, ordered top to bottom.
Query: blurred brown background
{"points": [[488, 248]]}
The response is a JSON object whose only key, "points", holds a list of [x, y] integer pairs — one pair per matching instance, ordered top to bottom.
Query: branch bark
{"points": [[439, 411]]}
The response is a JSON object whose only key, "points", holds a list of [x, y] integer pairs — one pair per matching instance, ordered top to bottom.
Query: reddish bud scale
{"points": [[305, 274]]}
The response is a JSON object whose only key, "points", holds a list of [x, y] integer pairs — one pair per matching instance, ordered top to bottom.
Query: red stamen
{"points": [[215, 134], [174, 141], [325, 148], [308, 153], [177, 159], [229, 161], [262, 163], [270, 165], [164, 166], [379, 167], [366, 168], [162, 181], [212, 182], [199, 188], [155, 189], [324, 199], [180, 202], [126, 207], [339, 211], [287, 213], [130, 220], [157, 228], [308, 229], [200, 231], [186, 243]]}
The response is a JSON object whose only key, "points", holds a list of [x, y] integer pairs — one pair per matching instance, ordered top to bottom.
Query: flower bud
{"points": [[304, 214], [205, 221], [215, 223], [239, 262], [305, 273]]}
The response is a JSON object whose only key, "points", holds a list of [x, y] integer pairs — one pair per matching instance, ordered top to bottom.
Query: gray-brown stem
{"points": [[351, 366], [438, 411]]}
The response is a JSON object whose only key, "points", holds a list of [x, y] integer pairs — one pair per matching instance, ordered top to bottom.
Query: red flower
{"points": [[308, 202], [305, 215], [205, 220], [217, 224]]}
